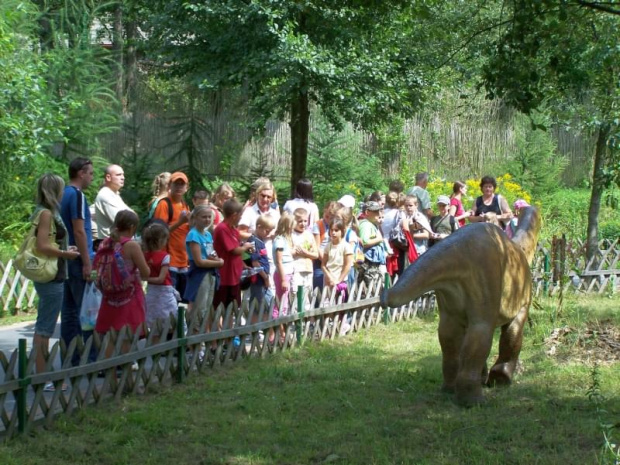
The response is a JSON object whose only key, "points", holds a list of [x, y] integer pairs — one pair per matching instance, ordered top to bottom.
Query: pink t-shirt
{"points": [[459, 210]]}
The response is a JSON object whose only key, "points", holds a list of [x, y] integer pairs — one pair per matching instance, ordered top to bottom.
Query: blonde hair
{"points": [[161, 183], [50, 187], [224, 187], [196, 211], [265, 221], [285, 227]]}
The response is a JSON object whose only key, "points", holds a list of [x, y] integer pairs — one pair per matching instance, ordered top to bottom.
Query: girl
{"points": [[160, 187], [221, 195], [304, 198], [456, 203], [417, 224], [49, 229], [119, 254], [337, 258], [283, 259], [203, 261], [336, 263], [161, 297]]}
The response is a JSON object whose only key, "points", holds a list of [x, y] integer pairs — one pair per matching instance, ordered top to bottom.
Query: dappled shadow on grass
{"points": [[370, 398]]}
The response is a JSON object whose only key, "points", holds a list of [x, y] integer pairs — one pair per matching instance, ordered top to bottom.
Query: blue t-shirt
{"points": [[75, 207], [203, 239], [260, 256]]}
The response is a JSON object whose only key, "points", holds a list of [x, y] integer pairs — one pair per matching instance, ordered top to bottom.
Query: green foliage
{"points": [[536, 165], [336, 166]]}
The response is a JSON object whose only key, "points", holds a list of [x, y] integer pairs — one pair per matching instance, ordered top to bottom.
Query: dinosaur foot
{"points": [[499, 375]]}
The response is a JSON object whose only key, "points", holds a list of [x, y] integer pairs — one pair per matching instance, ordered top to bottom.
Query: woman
{"points": [[459, 189], [264, 197], [304, 198], [490, 207], [49, 228]]}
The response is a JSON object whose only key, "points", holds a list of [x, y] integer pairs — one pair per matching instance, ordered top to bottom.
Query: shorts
{"points": [[50, 302]]}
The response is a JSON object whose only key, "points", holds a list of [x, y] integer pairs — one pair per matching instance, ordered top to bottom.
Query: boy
{"points": [[174, 212], [226, 244], [375, 250], [304, 252], [260, 289]]}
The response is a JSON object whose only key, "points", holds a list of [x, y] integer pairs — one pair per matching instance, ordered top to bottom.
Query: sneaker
{"points": [[345, 328], [135, 366], [49, 387]]}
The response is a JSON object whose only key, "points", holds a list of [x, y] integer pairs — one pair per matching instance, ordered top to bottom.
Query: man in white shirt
{"points": [[109, 202]]}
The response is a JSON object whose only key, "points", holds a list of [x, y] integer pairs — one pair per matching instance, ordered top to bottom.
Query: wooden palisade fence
{"points": [[170, 353]]}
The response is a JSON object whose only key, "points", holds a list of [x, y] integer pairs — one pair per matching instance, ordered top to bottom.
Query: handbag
{"points": [[398, 239], [32, 264]]}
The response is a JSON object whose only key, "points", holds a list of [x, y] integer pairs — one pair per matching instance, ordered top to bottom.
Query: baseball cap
{"points": [[178, 175], [444, 199], [347, 201], [373, 206]]}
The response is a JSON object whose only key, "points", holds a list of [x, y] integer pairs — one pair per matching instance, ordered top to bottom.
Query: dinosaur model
{"points": [[482, 280]]}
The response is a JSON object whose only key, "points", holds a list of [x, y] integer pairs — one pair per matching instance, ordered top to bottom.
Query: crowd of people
{"points": [[221, 250]]}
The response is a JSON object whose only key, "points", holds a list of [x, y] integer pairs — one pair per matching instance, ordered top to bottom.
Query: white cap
{"points": [[444, 199], [347, 201]]}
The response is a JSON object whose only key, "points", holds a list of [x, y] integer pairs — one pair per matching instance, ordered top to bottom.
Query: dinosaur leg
{"points": [[451, 336], [509, 349], [474, 352]]}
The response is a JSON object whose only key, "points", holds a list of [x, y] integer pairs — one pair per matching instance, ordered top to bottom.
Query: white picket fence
{"points": [[16, 292]]}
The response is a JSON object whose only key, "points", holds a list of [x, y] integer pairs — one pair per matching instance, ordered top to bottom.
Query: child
{"points": [[417, 223], [511, 227], [320, 231], [228, 248], [304, 251], [375, 251], [337, 258], [283, 260], [203, 261], [336, 263], [260, 289], [161, 297], [121, 307]]}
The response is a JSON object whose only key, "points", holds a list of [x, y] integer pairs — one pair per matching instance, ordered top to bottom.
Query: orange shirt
{"points": [[176, 243]]}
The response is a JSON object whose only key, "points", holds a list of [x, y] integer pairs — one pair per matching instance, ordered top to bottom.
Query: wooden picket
{"points": [[16, 292], [167, 354]]}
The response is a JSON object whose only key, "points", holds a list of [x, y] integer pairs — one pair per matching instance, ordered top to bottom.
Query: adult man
{"points": [[419, 190], [109, 202], [173, 211], [76, 216]]}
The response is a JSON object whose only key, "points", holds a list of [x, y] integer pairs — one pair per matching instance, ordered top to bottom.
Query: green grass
{"points": [[8, 318], [372, 398]]}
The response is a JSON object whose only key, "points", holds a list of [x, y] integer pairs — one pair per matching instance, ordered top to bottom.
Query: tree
{"points": [[566, 55], [360, 61]]}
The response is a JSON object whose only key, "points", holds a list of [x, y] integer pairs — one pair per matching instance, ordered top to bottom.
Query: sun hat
{"points": [[178, 175], [444, 199], [347, 201], [520, 204]]}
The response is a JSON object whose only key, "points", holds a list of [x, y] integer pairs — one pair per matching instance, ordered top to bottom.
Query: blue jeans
{"points": [[50, 300], [70, 326]]}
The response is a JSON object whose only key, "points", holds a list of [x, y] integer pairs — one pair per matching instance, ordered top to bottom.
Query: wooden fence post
{"points": [[300, 311], [386, 311], [182, 340], [24, 381]]}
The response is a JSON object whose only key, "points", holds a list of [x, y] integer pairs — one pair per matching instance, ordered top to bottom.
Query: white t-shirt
{"points": [[107, 204], [313, 211], [251, 214]]}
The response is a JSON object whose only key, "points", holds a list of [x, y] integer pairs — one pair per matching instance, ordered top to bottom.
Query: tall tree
{"points": [[567, 55], [361, 61]]}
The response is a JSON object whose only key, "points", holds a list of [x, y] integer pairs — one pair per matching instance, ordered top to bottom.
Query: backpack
{"points": [[358, 249], [113, 279]]}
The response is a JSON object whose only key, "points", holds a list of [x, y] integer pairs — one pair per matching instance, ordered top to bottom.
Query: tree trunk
{"points": [[117, 49], [131, 67], [300, 123], [598, 183]]}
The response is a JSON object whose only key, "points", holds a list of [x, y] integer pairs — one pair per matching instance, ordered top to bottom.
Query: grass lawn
{"points": [[369, 398]]}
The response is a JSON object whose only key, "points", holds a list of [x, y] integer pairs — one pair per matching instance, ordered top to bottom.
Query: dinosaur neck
{"points": [[526, 235]]}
